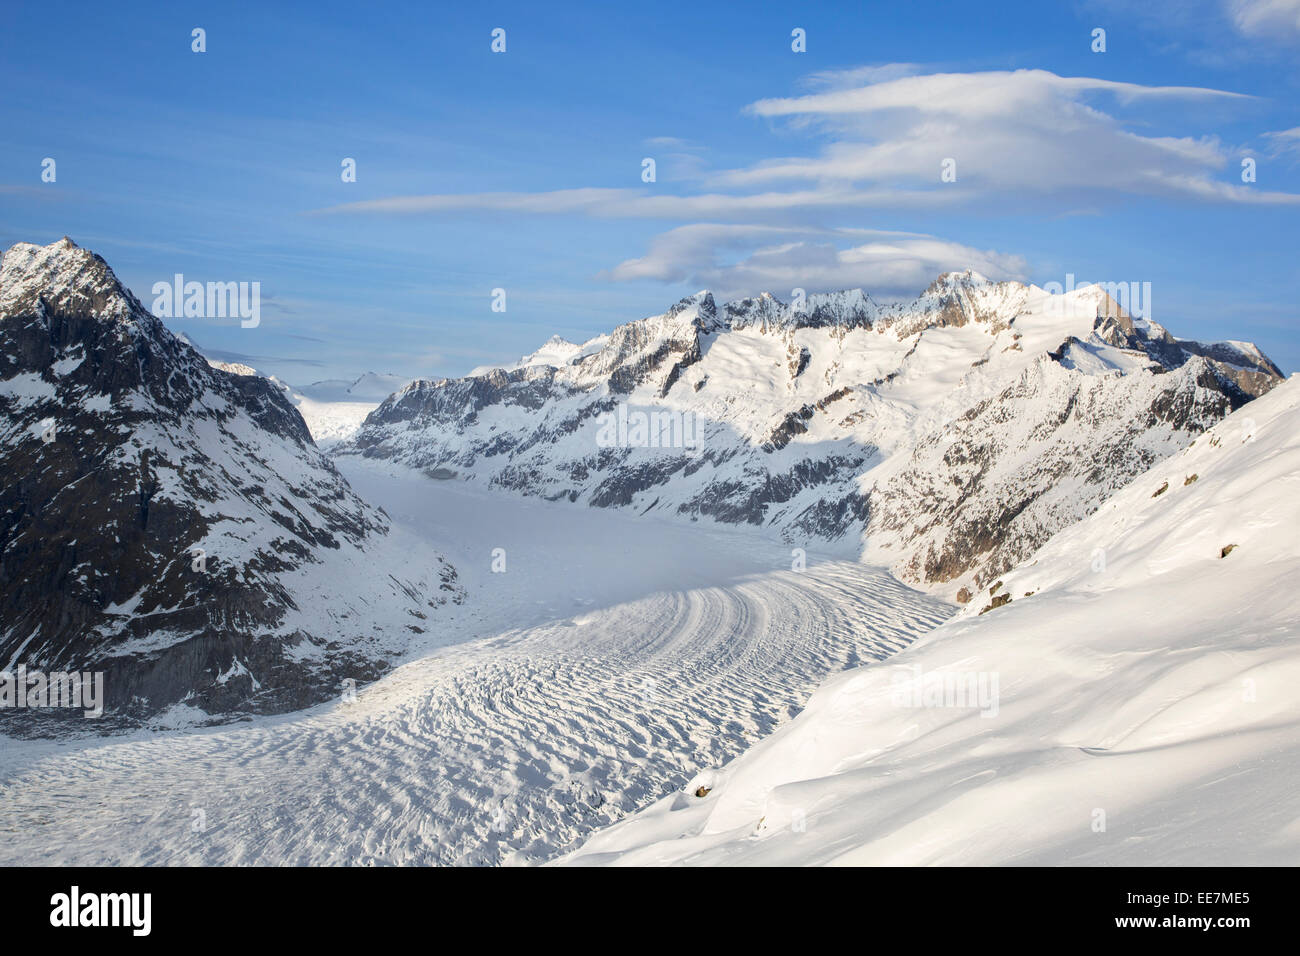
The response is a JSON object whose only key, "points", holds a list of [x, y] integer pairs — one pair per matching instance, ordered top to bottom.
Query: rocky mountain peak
{"points": [[66, 279], [967, 279], [699, 308], [764, 310], [169, 523]]}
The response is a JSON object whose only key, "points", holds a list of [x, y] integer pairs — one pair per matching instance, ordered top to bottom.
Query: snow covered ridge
{"points": [[946, 437], [172, 524], [1111, 741]]}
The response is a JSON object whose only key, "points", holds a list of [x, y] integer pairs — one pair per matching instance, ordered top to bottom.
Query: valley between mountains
{"points": [[572, 651], [611, 661]]}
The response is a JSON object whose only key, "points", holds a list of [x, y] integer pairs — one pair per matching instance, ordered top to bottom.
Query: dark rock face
{"points": [[162, 521]]}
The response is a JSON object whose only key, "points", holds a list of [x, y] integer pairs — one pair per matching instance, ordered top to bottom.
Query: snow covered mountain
{"points": [[557, 352], [371, 387], [333, 408], [946, 437], [172, 524], [1129, 700]]}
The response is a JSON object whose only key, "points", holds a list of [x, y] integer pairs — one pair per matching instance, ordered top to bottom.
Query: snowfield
{"points": [[330, 422], [611, 661], [1145, 708]]}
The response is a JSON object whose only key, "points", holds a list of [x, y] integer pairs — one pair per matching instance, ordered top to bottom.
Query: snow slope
{"points": [[611, 660], [1146, 709]]}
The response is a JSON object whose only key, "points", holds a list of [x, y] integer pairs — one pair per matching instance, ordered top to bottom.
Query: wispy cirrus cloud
{"points": [[1266, 18], [1210, 33], [889, 129], [1284, 141], [678, 160], [641, 204]]}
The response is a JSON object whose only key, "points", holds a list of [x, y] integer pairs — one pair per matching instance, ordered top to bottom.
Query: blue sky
{"points": [[523, 170]]}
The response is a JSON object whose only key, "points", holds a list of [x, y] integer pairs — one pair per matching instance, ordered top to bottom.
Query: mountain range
{"points": [[946, 437], [172, 522]]}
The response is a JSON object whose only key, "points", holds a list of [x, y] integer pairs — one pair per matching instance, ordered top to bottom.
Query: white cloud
{"points": [[1265, 18], [858, 75], [990, 95], [1007, 132], [1011, 134], [1285, 141], [677, 159], [645, 204], [779, 259]]}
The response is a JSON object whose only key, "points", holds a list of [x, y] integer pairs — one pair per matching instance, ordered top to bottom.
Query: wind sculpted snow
{"points": [[612, 659], [1143, 666]]}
